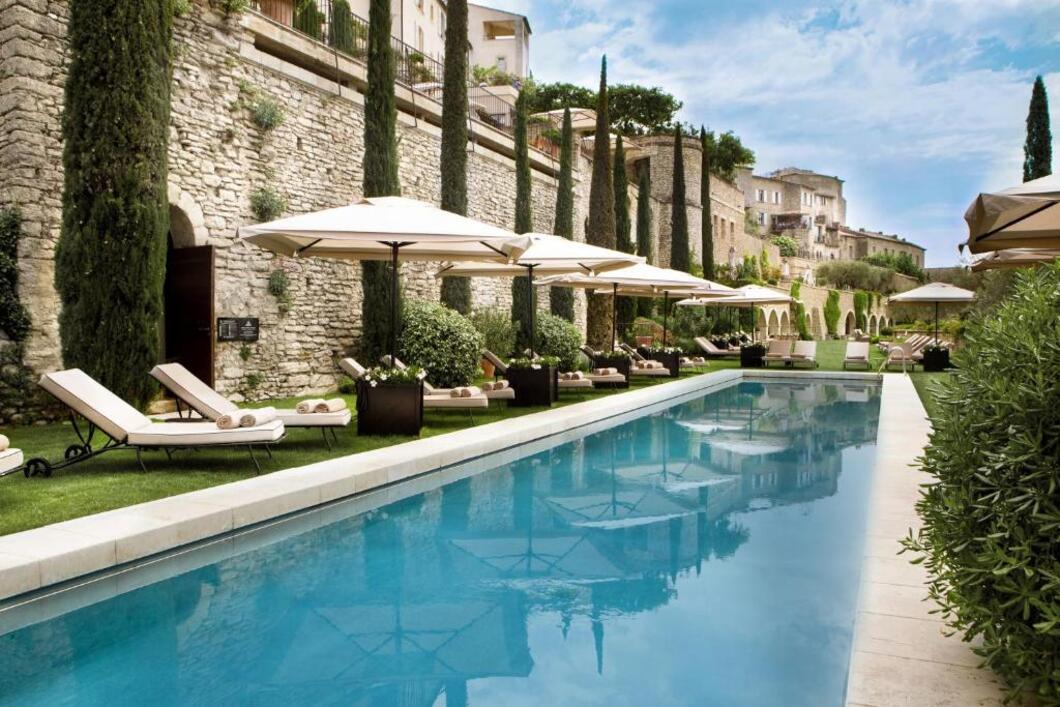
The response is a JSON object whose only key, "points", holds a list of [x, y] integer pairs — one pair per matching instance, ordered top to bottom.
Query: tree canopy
{"points": [[634, 109], [1038, 150]]}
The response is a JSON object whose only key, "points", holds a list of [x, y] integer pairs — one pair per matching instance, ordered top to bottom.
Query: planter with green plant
{"points": [[752, 355], [668, 356], [936, 358], [619, 360], [535, 381], [390, 401]]}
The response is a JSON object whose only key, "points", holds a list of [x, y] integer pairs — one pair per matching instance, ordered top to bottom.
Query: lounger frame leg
{"points": [[324, 434], [140, 459], [257, 467]]}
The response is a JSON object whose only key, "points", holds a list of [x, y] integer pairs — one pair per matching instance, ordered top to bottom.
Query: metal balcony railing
{"points": [[331, 22]]}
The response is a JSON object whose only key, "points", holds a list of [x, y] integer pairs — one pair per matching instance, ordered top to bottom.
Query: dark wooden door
{"points": [[189, 309]]}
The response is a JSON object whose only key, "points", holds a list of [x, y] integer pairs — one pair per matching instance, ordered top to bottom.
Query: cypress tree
{"points": [[1038, 150], [380, 173], [678, 210], [524, 223], [600, 229], [707, 230], [111, 259], [456, 291], [561, 299], [645, 305], [625, 307]]}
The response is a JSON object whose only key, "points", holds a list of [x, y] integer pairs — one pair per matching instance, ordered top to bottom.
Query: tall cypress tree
{"points": [[1038, 150], [380, 173], [678, 209], [600, 228], [707, 229], [111, 259], [456, 291], [522, 293], [561, 299], [645, 305], [625, 307]]}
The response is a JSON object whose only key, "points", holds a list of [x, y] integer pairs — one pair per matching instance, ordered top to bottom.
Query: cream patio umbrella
{"points": [[1026, 216], [384, 228], [546, 254], [1015, 258], [643, 280], [936, 293], [747, 296]]}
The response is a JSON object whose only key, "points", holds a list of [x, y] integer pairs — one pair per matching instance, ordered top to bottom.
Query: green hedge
{"points": [[831, 313], [498, 332], [558, 337], [442, 341], [991, 533]]}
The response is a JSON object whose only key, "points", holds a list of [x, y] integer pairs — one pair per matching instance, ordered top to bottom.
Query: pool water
{"points": [[705, 554]]}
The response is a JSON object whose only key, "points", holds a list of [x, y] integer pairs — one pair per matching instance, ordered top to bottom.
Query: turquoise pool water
{"points": [[705, 554]]}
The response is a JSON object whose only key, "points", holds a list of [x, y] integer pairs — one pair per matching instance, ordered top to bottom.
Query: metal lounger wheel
{"points": [[37, 467]]}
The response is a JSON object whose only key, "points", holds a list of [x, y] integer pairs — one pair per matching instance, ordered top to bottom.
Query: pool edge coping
{"points": [[35, 560], [899, 654]]}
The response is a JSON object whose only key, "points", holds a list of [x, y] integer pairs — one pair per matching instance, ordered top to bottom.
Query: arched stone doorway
{"points": [[188, 294], [785, 323], [774, 324], [872, 325], [816, 328], [848, 329]]}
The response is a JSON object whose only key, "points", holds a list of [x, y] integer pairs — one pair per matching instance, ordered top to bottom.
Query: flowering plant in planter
{"points": [[660, 348], [936, 348], [611, 357], [524, 363], [393, 376]]}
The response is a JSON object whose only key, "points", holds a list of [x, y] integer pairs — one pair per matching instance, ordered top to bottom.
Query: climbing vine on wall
{"points": [[861, 308], [831, 313], [14, 320]]}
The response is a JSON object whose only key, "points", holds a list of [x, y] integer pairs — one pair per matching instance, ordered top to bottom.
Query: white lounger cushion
{"points": [[805, 350], [857, 351], [351, 368], [649, 371], [613, 378], [579, 383], [189, 388], [502, 394], [90, 399], [448, 401], [292, 418], [189, 434], [10, 458]]}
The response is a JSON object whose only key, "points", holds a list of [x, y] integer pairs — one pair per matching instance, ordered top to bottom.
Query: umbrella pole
{"points": [[393, 303], [666, 312], [533, 314], [614, 315], [936, 324]]}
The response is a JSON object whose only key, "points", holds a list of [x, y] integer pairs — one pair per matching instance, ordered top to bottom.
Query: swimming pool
{"points": [[705, 554]]}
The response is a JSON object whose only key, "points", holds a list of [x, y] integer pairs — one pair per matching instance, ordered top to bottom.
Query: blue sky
{"points": [[917, 104]]}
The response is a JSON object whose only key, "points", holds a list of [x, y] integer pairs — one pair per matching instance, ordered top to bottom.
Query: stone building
{"points": [[858, 243]]}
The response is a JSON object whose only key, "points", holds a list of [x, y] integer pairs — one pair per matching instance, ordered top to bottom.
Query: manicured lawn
{"points": [[923, 383], [113, 480]]}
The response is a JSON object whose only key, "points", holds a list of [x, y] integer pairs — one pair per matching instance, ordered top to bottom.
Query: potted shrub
{"points": [[498, 334], [752, 355], [668, 356], [936, 358], [619, 360], [535, 381], [390, 401]]}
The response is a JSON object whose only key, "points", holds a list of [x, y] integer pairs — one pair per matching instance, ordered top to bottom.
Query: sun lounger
{"points": [[779, 350], [711, 351], [804, 352], [857, 354], [901, 355], [643, 366], [351, 368], [589, 380], [507, 393], [211, 405], [125, 426], [10, 458]]}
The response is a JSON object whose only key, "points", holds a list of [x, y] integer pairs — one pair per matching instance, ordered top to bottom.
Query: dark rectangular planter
{"points": [[751, 358], [936, 360], [672, 361], [621, 365], [534, 387], [390, 409]]}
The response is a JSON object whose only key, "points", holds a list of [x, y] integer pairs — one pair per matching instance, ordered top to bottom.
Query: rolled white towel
{"points": [[599, 371], [564, 376], [577, 376], [500, 385], [487, 386], [470, 391], [457, 392], [330, 405], [307, 407], [257, 416], [230, 421], [4, 443]]}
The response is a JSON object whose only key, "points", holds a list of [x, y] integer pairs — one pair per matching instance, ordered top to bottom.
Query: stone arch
{"points": [[187, 224], [760, 322], [785, 323], [816, 323], [850, 324], [872, 325], [773, 328]]}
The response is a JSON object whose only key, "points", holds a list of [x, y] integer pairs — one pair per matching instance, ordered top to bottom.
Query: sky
{"points": [[917, 104]]}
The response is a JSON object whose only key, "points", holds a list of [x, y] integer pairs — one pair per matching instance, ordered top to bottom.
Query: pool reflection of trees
{"points": [[416, 599]]}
